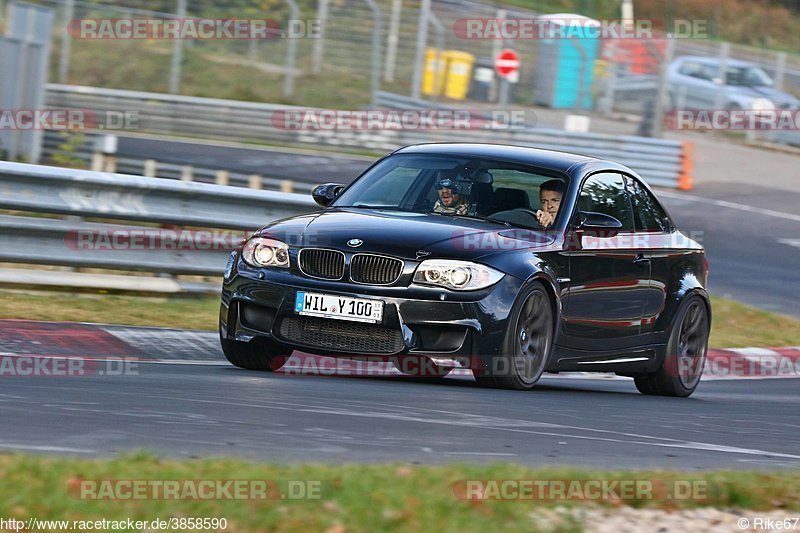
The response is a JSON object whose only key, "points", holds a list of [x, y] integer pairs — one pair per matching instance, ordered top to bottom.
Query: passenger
{"points": [[550, 193], [450, 200]]}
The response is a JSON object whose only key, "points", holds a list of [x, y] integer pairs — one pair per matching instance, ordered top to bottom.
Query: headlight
{"points": [[761, 104], [263, 252], [456, 275]]}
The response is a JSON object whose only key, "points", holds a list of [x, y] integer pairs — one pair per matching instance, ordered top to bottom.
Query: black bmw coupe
{"points": [[505, 260]]}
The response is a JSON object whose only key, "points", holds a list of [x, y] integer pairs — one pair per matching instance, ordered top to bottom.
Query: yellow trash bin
{"points": [[458, 67], [433, 75]]}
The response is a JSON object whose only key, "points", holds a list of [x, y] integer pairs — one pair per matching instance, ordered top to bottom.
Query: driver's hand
{"points": [[545, 219]]}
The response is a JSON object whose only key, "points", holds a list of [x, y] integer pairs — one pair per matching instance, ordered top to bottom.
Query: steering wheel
{"points": [[510, 215]]}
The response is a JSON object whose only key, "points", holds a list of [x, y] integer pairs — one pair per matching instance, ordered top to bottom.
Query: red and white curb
{"points": [[24, 338], [753, 363]]}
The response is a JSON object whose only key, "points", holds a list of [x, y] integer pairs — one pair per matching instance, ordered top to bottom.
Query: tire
{"points": [[527, 343], [685, 353], [258, 354], [419, 366]]}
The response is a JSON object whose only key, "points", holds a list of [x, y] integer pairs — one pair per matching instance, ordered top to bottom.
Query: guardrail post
{"points": [[322, 16], [66, 42], [391, 42], [497, 46], [291, 47], [376, 49], [177, 54], [419, 59], [780, 70], [439, 82], [662, 94], [719, 94], [98, 162], [110, 163], [687, 165], [150, 168], [187, 173], [222, 177], [255, 181], [287, 186]]}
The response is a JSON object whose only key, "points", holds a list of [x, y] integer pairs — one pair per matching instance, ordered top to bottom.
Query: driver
{"points": [[550, 193], [450, 199]]}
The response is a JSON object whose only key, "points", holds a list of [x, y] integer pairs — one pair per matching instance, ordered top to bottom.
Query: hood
{"points": [[777, 97], [402, 234]]}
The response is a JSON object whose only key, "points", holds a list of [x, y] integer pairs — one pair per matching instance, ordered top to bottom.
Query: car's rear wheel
{"points": [[527, 343], [258, 354], [685, 354], [419, 366]]}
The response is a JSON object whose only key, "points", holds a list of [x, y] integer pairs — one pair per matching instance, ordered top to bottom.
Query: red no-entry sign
{"points": [[506, 63]]}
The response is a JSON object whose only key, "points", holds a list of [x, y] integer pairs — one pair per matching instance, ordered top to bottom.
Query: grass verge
{"points": [[181, 313], [735, 325], [355, 497]]}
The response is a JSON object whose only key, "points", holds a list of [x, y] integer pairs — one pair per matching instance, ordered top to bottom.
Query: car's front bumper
{"points": [[416, 320]]}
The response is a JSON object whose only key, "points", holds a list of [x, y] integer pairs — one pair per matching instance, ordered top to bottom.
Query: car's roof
{"points": [[715, 61], [561, 161]]}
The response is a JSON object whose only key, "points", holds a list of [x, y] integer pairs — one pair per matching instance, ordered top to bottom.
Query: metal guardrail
{"points": [[660, 162], [164, 169], [116, 197], [124, 197], [76, 243]]}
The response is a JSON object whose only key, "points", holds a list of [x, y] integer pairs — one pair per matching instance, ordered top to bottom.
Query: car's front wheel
{"points": [[527, 343], [258, 354], [685, 354]]}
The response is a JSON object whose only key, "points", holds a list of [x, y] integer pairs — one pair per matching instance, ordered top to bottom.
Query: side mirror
{"points": [[326, 193], [595, 224]]}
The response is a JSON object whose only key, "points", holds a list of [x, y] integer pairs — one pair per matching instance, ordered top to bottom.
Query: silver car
{"points": [[695, 82]]}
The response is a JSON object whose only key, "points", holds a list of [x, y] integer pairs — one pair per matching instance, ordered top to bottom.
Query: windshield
{"points": [[503, 192]]}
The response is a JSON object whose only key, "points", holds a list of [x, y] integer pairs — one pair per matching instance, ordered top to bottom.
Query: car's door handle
{"points": [[641, 260]]}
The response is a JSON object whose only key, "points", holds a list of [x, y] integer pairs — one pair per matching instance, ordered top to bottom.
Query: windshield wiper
{"points": [[381, 207], [474, 217]]}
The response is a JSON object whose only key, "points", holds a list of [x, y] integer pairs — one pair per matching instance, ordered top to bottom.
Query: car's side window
{"points": [[689, 68], [709, 72], [605, 193], [648, 215]]}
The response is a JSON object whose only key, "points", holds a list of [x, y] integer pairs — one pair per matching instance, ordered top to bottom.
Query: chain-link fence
{"points": [[364, 45]]}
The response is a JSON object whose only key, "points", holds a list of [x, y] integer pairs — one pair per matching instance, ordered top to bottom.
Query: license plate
{"points": [[338, 307]]}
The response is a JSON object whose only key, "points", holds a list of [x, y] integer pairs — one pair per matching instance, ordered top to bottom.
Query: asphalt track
{"points": [[284, 163], [751, 235], [197, 405]]}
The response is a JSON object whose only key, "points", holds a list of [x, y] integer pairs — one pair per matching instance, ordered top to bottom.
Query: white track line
{"points": [[731, 205]]}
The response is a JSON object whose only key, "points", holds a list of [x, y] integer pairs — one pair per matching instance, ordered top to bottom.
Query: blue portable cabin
{"points": [[565, 65]]}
